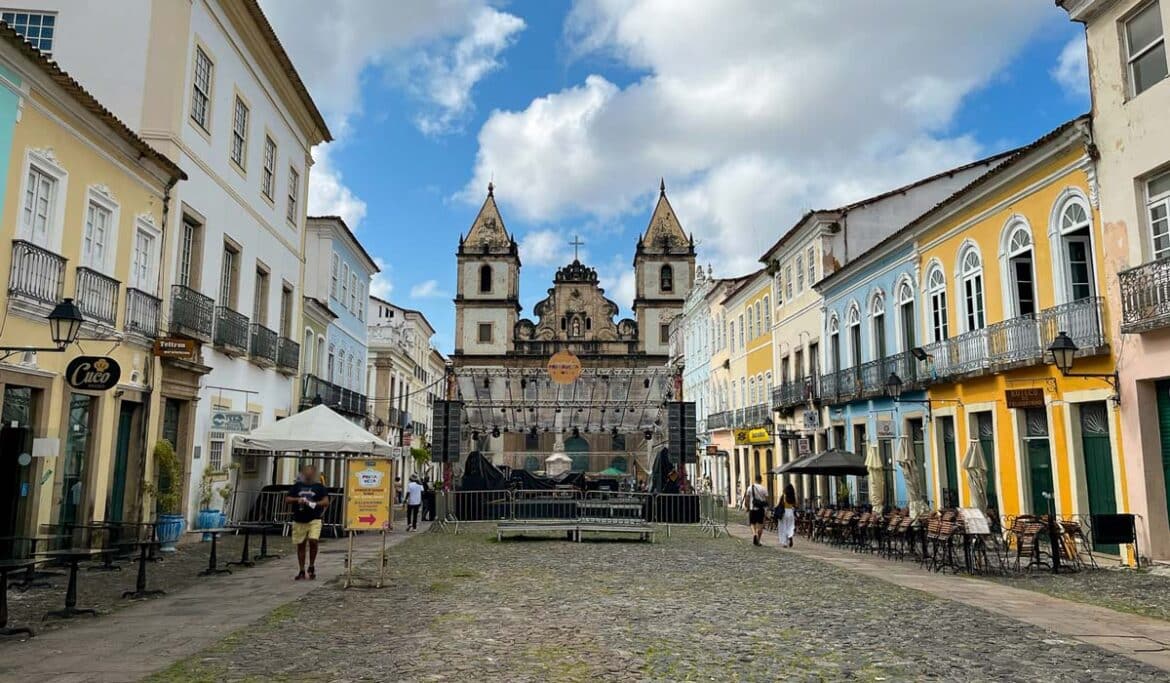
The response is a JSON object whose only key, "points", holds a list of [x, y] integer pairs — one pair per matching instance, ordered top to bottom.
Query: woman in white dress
{"points": [[787, 525]]}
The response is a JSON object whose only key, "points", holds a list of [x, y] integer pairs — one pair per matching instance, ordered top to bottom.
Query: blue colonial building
{"points": [[871, 313]]}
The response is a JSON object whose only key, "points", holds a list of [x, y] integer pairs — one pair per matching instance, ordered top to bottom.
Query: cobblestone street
{"points": [[685, 608]]}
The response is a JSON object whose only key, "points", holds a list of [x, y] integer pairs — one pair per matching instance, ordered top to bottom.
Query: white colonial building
{"points": [[208, 83]]}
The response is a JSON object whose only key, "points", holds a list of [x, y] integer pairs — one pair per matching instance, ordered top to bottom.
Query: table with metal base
{"points": [[72, 557], [213, 559], [244, 560], [7, 566], [140, 591]]}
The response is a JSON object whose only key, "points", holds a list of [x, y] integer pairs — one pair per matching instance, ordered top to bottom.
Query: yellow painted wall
{"points": [[89, 160], [1033, 196]]}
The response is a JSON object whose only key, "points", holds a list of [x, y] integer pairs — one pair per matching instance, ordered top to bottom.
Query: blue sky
{"points": [[752, 111]]}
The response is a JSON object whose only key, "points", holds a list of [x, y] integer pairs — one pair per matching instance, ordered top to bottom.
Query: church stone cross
{"points": [[576, 244]]}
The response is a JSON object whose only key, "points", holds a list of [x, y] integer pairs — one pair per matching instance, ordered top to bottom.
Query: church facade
{"points": [[494, 339]]}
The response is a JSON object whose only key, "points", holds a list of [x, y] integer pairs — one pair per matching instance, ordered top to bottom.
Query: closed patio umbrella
{"points": [[833, 462], [976, 468], [912, 472], [877, 477]]}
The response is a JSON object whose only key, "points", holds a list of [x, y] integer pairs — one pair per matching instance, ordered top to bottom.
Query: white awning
{"points": [[316, 430]]}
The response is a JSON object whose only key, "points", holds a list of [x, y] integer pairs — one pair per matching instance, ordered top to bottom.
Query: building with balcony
{"points": [[209, 84], [1131, 95], [86, 204], [1005, 266], [338, 272], [748, 308], [691, 339], [404, 376], [720, 413]]}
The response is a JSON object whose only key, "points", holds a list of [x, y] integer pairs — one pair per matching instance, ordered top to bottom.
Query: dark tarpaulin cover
{"points": [[479, 474], [663, 477]]}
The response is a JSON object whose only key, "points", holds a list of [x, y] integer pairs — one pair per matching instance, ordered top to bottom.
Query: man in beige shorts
{"points": [[309, 499]]}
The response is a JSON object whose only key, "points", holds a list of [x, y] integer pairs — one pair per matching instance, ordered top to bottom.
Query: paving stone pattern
{"points": [[102, 590], [1141, 592], [467, 608]]}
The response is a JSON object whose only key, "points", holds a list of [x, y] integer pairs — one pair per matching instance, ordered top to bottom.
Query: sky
{"points": [[752, 111]]}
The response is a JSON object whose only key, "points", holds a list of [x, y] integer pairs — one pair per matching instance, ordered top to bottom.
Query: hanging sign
{"points": [[171, 347], [564, 367], [92, 373], [1024, 398], [812, 419], [231, 421], [885, 429], [745, 437], [802, 447], [367, 494]]}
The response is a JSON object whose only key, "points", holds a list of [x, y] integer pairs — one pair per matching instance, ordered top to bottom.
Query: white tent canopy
{"points": [[316, 430]]}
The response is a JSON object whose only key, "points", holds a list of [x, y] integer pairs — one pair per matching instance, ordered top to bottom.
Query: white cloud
{"points": [[1072, 67], [448, 78], [751, 111], [328, 195], [544, 248], [380, 285], [428, 289]]}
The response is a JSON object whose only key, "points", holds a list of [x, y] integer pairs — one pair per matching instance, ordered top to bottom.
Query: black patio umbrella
{"points": [[834, 462]]}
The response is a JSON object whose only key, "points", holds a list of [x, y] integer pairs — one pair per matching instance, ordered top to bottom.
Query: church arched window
{"points": [[485, 278], [667, 279]]}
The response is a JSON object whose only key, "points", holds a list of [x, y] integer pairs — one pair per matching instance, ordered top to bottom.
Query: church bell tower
{"points": [[664, 270], [487, 298]]}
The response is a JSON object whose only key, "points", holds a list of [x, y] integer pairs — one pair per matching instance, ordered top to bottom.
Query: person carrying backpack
{"points": [[756, 500]]}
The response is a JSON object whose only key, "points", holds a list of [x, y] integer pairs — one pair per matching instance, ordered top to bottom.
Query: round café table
{"points": [[145, 548], [72, 557], [7, 567]]}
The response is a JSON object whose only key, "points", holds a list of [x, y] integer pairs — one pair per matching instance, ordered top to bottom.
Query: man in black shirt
{"points": [[309, 498]]}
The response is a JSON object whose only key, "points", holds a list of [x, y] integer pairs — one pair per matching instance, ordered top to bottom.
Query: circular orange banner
{"points": [[564, 367]]}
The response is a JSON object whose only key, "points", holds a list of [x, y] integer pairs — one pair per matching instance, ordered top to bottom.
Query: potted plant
{"points": [[167, 493]]}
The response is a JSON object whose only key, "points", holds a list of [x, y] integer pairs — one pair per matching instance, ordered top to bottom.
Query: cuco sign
{"points": [[92, 373]]}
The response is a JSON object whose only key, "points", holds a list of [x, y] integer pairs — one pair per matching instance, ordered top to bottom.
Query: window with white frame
{"points": [[37, 28], [1145, 46], [201, 89], [239, 146], [268, 173], [294, 194], [40, 202], [1158, 207], [95, 242], [1077, 247], [812, 266], [142, 269], [1021, 271], [334, 274], [799, 274], [788, 282], [344, 284], [971, 284], [778, 287], [353, 291], [936, 291], [767, 315], [906, 315], [759, 319], [878, 320], [751, 324], [731, 328], [853, 328], [834, 343], [741, 344], [751, 391], [215, 441]]}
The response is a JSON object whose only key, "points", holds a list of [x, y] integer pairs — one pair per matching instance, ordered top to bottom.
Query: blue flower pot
{"points": [[209, 519], [169, 529]]}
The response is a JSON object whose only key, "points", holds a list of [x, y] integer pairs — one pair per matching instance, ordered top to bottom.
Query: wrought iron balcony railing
{"points": [[37, 274], [97, 296], [1145, 297], [142, 311], [192, 313], [1082, 320], [231, 330], [1013, 342], [263, 345], [288, 356], [316, 390], [799, 392], [753, 416], [719, 420]]}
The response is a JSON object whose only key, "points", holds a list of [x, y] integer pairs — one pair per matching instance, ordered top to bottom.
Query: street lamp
{"points": [[64, 326], [1062, 352], [894, 386]]}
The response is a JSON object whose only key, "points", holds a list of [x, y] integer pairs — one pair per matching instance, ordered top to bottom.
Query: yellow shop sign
{"points": [[745, 437]]}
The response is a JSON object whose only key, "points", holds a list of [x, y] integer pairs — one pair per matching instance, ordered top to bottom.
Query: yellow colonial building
{"points": [[85, 208], [1005, 267], [749, 323]]}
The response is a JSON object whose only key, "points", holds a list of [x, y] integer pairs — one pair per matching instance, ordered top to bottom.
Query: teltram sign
{"points": [[93, 373]]}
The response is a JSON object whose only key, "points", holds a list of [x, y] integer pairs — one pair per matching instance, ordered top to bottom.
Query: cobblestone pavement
{"points": [[102, 590], [685, 608]]}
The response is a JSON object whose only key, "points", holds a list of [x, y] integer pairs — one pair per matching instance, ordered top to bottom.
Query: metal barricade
{"points": [[545, 504], [461, 507], [616, 507], [676, 509], [713, 514]]}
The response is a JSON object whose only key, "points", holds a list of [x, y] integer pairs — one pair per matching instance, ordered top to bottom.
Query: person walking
{"points": [[414, 494], [309, 499], [756, 501], [786, 528]]}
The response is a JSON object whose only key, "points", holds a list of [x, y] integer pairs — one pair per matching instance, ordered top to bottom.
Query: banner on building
{"points": [[1024, 398], [231, 421], [752, 437]]}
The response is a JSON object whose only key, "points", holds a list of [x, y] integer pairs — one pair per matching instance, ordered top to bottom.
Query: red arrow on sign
{"points": [[367, 520]]}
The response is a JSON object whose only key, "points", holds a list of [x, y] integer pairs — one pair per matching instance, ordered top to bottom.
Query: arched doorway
{"points": [[577, 448]]}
